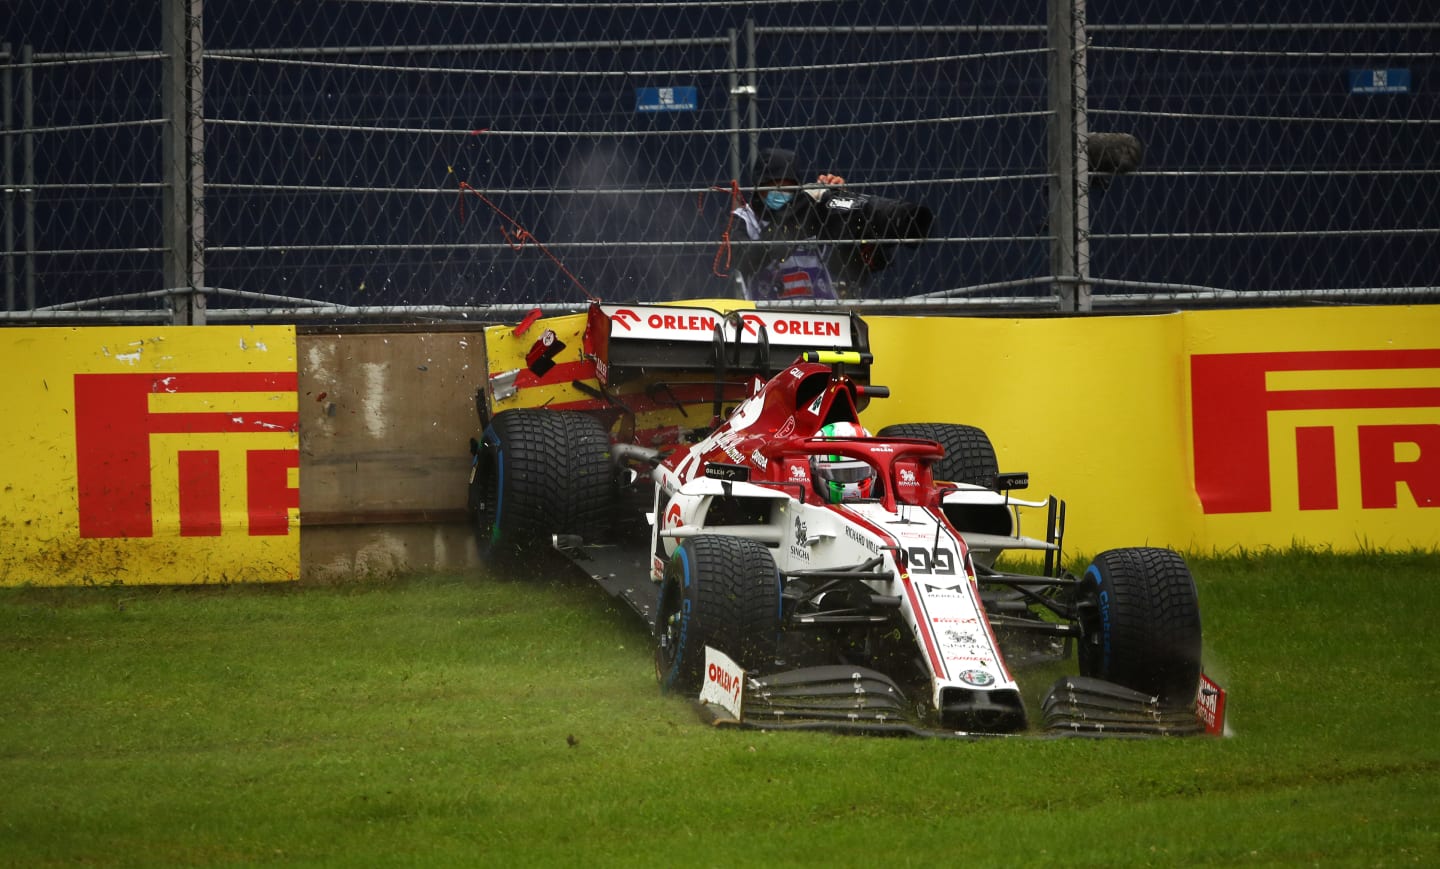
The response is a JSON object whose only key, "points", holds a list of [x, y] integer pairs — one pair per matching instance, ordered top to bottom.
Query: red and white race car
{"points": [[711, 469]]}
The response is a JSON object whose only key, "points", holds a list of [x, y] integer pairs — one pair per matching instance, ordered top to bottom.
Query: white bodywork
{"points": [[926, 565]]}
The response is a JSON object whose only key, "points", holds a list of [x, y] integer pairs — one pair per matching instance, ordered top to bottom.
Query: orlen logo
{"points": [[624, 317], [1232, 403], [113, 427]]}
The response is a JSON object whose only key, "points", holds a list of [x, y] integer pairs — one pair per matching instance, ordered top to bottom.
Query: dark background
{"points": [[648, 233]]}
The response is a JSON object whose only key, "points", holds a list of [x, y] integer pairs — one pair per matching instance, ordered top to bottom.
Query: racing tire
{"points": [[969, 455], [539, 473], [722, 592], [1140, 622]]}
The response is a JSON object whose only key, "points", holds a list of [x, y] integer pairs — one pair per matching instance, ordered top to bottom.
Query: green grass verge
{"points": [[463, 721]]}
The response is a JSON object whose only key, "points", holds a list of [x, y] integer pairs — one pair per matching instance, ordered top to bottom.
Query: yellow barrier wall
{"points": [[1310, 426], [149, 455], [169, 455]]}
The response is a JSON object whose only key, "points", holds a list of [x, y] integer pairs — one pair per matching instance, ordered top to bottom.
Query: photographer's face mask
{"points": [[778, 199]]}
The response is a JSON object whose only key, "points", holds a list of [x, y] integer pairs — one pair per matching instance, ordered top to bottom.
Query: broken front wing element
{"points": [[859, 700]]}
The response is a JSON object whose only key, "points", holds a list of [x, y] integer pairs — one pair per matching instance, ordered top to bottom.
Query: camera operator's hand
{"points": [[822, 184]]}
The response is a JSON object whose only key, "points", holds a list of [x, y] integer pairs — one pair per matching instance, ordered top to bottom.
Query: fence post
{"points": [[752, 80], [736, 95], [7, 142], [184, 159], [1069, 163], [27, 169]]}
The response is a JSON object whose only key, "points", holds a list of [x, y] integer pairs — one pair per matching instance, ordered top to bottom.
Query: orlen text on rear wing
{"points": [[739, 339]]}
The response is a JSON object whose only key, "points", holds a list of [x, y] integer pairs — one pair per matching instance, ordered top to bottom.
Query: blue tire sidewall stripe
{"points": [[683, 554], [1094, 572]]}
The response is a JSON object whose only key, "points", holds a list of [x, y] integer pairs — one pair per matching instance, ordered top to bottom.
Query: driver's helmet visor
{"points": [[842, 471]]}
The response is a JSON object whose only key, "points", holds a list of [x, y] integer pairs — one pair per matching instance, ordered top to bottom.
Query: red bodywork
{"points": [[774, 434]]}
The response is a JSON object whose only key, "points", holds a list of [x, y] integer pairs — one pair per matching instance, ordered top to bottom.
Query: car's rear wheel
{"points": [[969, 455], [539, 473], [722, 592], [1140, 618]]}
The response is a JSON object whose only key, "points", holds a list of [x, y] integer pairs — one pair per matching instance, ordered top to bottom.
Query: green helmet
{"points": [[838, 479]]}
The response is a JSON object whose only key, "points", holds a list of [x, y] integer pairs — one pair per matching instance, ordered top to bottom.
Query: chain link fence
{"points": [[440, 158]]}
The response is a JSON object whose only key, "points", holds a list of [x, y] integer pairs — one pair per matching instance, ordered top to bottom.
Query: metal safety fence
{"points": [[188, 162]]}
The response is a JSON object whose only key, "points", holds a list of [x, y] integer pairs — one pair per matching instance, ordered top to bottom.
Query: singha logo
{"points": [[801, 533]]}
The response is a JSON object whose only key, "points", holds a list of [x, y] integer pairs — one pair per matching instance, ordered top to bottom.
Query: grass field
{"points": [[464, 721]]}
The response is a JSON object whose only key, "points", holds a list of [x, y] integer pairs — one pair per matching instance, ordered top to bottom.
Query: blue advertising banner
{"points": [[1379, 81], [671, 99]]}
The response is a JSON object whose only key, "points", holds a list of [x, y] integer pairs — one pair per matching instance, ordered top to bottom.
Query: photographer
{"points": [[817, 240]]}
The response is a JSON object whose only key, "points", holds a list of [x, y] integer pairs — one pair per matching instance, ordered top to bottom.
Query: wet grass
{"points": [[466, 721]]}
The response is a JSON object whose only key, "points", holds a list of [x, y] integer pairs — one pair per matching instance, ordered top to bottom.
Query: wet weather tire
{"points": [[969, 455], [539, 473], [722, 592], [1141, 622]]}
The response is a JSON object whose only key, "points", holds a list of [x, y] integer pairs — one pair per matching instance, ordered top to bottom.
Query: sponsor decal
{"points": [[624, 318], [631, 321], [692, 324], [806, 327], [541, 357], [1237, 403], [786, 429], [725, 441], [116, 452], [153, 455], [730, 473], [907, 476], [915, 531], [864, 541], [800, 548], [1105, 633], [978, 678], [724, 683], [1210, 705]]}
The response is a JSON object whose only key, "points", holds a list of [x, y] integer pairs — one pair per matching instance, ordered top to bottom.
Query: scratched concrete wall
{"points": [[385, 422]]}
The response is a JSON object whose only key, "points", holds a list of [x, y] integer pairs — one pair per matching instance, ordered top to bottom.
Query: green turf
{"points": [[464, 721]]}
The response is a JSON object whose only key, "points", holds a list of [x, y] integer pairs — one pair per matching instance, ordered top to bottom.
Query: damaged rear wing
{"points": [[743, 340], [583, 361]]}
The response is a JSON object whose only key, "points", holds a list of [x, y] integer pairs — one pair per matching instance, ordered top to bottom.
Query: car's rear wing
{"points": [[755, 341], [648, 359]]}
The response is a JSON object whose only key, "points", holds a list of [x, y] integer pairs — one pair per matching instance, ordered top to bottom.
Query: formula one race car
{"points": [[710, 469]]}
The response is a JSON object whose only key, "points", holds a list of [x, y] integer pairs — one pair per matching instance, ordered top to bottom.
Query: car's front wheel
{"points": [[722, 592], [1140, 618]]}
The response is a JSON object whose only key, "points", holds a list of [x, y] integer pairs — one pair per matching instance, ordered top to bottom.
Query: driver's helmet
{"points": [[838, 479]]}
